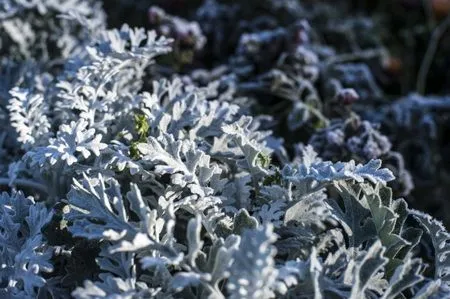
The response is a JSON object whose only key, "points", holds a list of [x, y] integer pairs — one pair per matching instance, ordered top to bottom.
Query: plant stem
{"points": [[428, 7], [365, 54], [429, 55], [24, 183]]}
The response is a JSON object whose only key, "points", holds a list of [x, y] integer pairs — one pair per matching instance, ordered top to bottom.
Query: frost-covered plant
{"points": [[34, 29], [188, 37], [27, 114], [147, 185], [24, 254]]}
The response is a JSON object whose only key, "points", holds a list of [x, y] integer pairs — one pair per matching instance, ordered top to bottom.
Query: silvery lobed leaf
{"points": [[72, 142], [253, 273]]}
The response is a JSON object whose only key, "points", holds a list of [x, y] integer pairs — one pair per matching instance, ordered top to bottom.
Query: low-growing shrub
{"points": [[196, 160]]}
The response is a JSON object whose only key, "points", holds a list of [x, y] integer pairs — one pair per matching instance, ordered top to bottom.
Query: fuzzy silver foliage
{"points": [[173, 190], [24, 255]]}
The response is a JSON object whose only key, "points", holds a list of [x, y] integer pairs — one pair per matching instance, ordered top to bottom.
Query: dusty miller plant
{"points": [[172, 190]]}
